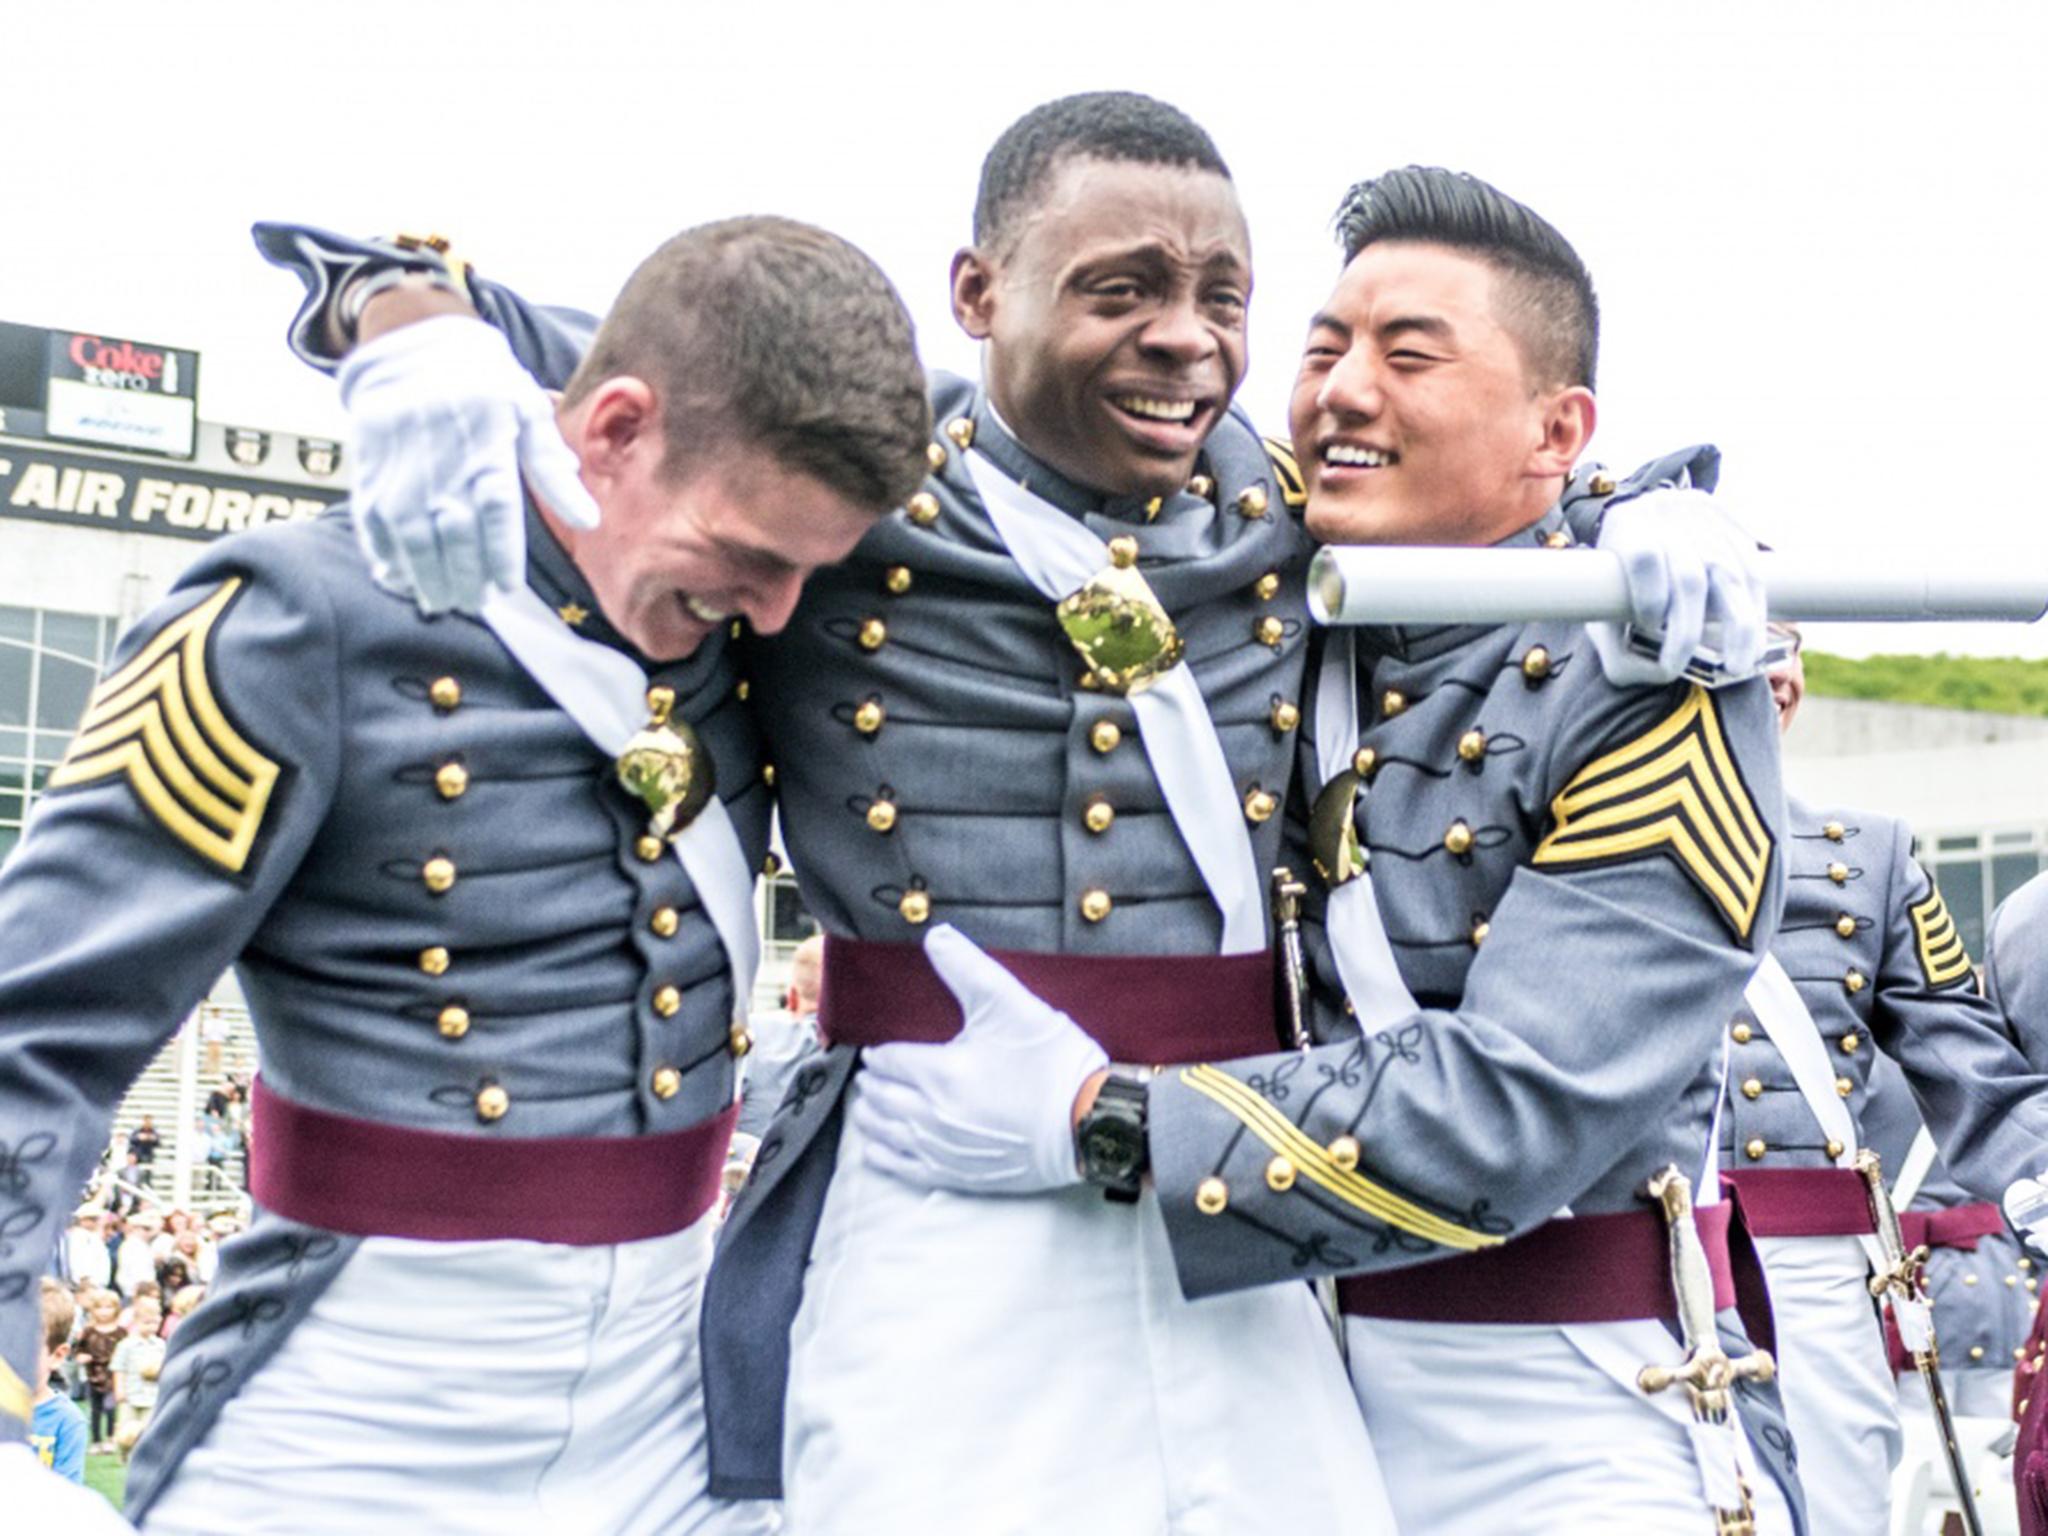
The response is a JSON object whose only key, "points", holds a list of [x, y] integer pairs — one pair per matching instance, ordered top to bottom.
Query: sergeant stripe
{"points": [[1287, 472], [157, 723], [1674, 790], [1943, 958], [1312, 1162]]}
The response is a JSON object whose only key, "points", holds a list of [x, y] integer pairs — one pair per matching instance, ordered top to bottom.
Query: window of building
{"points": [[48, 664]]}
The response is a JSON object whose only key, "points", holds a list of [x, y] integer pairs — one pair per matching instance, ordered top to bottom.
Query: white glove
{"points": [[445, 419], [1692, 579], [992, 1110], [43, 1501]]}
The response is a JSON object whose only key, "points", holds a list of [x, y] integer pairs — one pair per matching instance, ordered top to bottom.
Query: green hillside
{"points": [[2001, 685]]}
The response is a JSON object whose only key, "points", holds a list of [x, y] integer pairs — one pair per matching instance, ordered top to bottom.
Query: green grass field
{"points": [[2001, 685], [105, 1475]]}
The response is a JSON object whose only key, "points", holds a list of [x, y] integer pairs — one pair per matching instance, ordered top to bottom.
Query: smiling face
{"points": [[1115, 318], [1414, 414], [676, 556]]}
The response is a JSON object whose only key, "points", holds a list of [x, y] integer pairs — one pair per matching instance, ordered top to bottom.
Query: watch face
{"points": [[1111, 1150]]}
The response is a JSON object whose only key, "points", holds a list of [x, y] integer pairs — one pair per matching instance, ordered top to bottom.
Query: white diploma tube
{"points": [[1388, 584]]}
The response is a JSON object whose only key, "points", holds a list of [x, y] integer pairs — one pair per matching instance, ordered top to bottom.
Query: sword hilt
{"points": [[1708, 1371]]}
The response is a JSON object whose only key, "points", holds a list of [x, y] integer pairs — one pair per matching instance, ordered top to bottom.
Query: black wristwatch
{"points": [[1110, 1140]]}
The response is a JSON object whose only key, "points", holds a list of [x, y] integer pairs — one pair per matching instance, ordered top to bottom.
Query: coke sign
{"points": [[107, 362]]}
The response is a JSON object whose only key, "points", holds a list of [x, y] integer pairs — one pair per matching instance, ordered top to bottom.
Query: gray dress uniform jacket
{"points": [[424, 872], [1877, 959]]}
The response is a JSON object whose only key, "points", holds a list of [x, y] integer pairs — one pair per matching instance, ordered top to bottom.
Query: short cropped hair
{"points": [[1099, 125], [1548, 294], [770, 337], [60, 1312]]}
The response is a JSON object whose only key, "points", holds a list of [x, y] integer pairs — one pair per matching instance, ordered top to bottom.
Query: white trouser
{"points": [[978, 1366], [1836, 1381], [495, 1388], [1972, 1391], [1487, 1428]]}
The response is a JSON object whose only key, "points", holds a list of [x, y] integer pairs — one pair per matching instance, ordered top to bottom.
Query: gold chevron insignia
{"points": [[1287, 472], [156, 722], [1674, 790], [1942, 957], [1312, 1161], [16, 1402]]}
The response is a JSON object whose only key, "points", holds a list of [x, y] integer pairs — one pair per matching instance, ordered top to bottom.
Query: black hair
{"points": [[1102, 125], [1550, 305]]}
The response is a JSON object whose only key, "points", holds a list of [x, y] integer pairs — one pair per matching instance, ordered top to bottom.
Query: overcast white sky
{"points": [[1817, 227]]}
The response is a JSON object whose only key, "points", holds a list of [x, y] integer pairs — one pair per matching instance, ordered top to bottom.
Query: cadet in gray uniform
{"points": [[946, 761], [1539, 893], [1867, 960], [496, 1014], [1983, 1283]]}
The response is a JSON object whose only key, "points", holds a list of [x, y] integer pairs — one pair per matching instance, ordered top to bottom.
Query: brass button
{"points": [[961, 430], [935, 456], [1602, 483], [1202, 486], [1251, 501], [923, 509], [1557, 538], [1123, 551], [896, 581], [1267, 587], [1269, 631], [872, 633], [1536, 664], [742, 690], [445, 693], [1392, 703], [1285, 717], [868, 718], [1103, 735], [1472, 745], [1363, 761], [768, 774], [451, 780], [1259, 806], [1098, 815], [882, 816], [1834, 831], [1459, 839], [647, 848], [771, 865], [438, 873], [1839, 873], [1095, 904], [915, 906], [664, 922], [1845, 925], [1480, 929], [434, 960], [1853, 982], [667, 1000], [453, 1022], [1743, 1034], [739, 1039], [1850, 1042], [667, 1082], [1844, 1086], [1752, 1088], [492, 1102], [1834, 1149], [1755, 1150], [1345, 1152], [1280, 1175], [1211, 1196], [2024, 1263], [1969, 1279], [2012, 1282], [1976, 1351]]}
